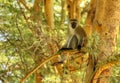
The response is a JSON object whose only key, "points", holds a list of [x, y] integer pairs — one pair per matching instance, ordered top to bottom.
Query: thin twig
{"points": [[24, 3], [25, 16]]}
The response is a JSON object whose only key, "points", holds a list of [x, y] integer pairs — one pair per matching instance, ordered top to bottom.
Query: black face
{"points": [[73, 23]]}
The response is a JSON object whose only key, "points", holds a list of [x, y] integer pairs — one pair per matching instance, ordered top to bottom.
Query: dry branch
{"points": [[101, 69]]}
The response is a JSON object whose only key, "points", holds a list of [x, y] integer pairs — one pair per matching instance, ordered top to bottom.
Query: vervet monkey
{"points": [[76, 37]]}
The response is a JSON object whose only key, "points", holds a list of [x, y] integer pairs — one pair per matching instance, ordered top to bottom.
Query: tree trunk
{"points": [[74, 9], [63, 11], [49, 13], [90, 18], [105, 23], [89, 29]]}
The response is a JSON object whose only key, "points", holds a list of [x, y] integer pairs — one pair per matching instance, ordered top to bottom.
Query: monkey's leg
{"points": [[73, 43], [80, 44]]}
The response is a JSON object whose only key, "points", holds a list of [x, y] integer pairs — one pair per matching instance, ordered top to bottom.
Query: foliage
{"points": [[21, 49]]}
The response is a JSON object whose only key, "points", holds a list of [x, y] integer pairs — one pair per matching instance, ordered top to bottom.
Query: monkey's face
{"points": [[73, 23]]}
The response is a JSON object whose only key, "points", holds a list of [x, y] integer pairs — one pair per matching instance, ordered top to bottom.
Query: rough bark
{"points": [[105, 23], [89, 29]]}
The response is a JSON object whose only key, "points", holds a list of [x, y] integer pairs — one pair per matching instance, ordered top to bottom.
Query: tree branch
{"points": [[24, 3], [25, 16], [45, 61], [40, 65], [101, 69]]}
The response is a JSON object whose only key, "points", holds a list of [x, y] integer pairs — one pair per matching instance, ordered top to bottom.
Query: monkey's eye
{"points": [[73, 25]]}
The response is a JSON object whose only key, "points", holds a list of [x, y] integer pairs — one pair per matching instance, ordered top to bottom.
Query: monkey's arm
{"points": [[65, 47]]}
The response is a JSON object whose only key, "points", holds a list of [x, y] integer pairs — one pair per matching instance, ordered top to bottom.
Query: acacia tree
{"points": [[34, 36]]}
